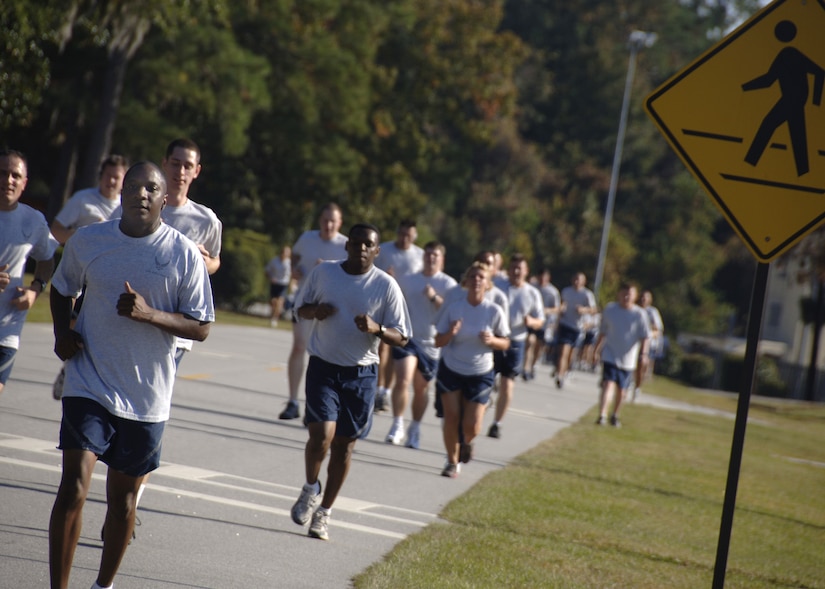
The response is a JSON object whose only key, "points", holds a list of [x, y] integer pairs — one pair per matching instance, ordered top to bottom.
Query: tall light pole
{"points": [[636, 41]]}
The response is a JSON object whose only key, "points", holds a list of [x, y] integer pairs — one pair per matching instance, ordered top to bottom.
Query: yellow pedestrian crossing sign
{"points": [[747, 118]]}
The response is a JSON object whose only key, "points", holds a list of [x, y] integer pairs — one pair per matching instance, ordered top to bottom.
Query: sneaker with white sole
{"points": [[396, 435], [414, 438], [450, 470], [306, 504], [319, 528]]}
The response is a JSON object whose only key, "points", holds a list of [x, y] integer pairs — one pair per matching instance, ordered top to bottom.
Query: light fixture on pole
{"points": [[636, 41]]}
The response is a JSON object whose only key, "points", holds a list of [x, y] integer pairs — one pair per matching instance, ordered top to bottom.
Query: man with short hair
{"points": [[181, 165], [92, 205], [87, 206], [24, 234], [312, 248], [399, 258], [145, 285], [577, 302], [351, 306], [526, 312], [624, 335], [540, 341], [417, 362]]}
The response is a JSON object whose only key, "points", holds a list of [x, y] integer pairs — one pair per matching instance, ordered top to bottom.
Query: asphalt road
{"points": [[216, 513]]}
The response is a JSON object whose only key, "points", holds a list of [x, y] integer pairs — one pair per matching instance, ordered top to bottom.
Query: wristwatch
{"points": [[41, 283], [381, 330]]}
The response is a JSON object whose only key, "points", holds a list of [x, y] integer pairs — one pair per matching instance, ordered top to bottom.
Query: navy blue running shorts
{"points": [[569, 335], [6, 362], [509, 363], [427, 366], [612, 373], [475, 388], [343, 394], [127, 446]]}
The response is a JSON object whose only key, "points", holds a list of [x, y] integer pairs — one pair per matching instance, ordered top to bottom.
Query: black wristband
{"points": [[41, 283]]}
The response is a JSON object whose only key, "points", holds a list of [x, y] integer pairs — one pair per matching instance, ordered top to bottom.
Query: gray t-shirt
{"points": [[87, 206], [197, 222], [200, 224], [23, 234], [311, 249], [402, 262], [279, 271], [495, 295], [551, 297], [572, 298], [525, 301], [423, 312], [623, 331], [336, 339], [466, 354], [126, 366]]}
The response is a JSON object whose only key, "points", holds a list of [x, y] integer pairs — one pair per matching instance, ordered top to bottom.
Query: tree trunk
{"points": [[126, 40], [100, 140], [66, 167], [810, 383]]}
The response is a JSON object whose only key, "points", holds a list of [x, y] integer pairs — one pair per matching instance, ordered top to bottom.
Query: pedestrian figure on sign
{"points": [[790, 68]]}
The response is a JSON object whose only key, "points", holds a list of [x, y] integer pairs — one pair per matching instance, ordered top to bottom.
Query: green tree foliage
{"points": [[24, 67], [572, 87], [210, 91]]}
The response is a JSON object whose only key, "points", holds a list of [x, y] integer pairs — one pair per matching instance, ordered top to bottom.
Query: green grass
{"points": [[637, 507]]}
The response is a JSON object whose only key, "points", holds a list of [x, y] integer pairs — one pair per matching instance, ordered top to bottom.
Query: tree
{"points": [[662, 231]]}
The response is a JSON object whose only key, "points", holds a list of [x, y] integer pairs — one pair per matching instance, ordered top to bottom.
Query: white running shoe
{"points": [[396, 435], [414, 438], [306, 505], [319, 528]]}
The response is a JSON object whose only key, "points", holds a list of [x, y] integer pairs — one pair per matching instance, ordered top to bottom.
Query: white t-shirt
{"points": [[87, 206], [197, 222], [200, 224], [24, 234], [312, 249], [402, 262], [279, 270], [495, 295], [551, 297], [572, 298], [524, 301], [423, 312], [654, 320], [623, 330], [336, 339], [466, 354], [126, 366]]}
